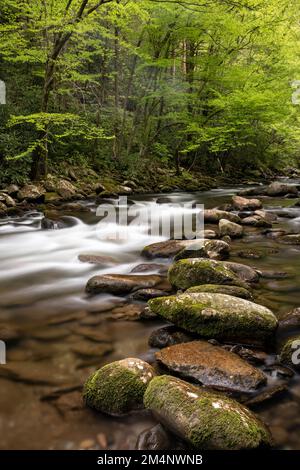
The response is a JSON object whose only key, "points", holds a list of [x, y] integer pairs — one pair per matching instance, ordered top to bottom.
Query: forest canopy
{"points": [[121, 84]]}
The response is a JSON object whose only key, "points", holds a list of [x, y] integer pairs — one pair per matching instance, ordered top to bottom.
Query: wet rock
{"points": [[65, 189], [281, 189], [257, 191], [31, 193], [7, 200], [244, 204], [74, 207], [3, 209], [213, 216], [268, 216], [256, 221], [48, 224], [231, 229], [207, 234], [274, 234], [292, 239], [170, 248], [213, 249], [249, 254], [97, 259], [143, 268], [242, 271], [192, 272], [273, 274], [121, 284], [220, 289], [146, 294], [146, 314], [218, 316], [290, 320], [50, 333], [92, 333], [168, 336], [290, 353], [255, 356], [211, 366], [278, 371], [36, 373], [119, 387], [267, 395], [69, 402], [206, 420], [155, 438]]}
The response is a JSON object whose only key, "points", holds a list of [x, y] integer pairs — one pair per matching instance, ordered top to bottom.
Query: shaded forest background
{"points": [[136, 85]]}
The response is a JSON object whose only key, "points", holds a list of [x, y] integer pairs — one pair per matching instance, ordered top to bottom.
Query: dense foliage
{"points": [[120, 83]]}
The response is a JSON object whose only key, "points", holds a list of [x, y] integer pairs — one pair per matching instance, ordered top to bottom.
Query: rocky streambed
{"points": [[151, 343]]}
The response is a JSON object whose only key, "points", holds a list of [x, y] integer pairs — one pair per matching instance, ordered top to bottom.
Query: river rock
{"points": [[65, 189], [281, 189], [12, 190], [257, 191], [31, 193], [7, 200], [244, 204], [3, 208], [213, 216], [268, 216], [256, 221], [49, 224], [230, 228], [291, 239], [169, 248], [213, 249], [97, 259], [143, 268], [242, 271], [192, 272], [121, 284], [220, 289], [146, 294], [218, 316], [290, 320], [168, 336], [290, 353], [211, 366], [119, 387], [205, 419], [155, 438]]}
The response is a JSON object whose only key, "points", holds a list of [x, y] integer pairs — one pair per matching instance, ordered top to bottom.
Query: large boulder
{"points": [[65, 189], [281, 189], [31, 193], [244, 204], [213, 216], [233, 230], [191, 272], [121, 284], [221, 289], [218, 316], [211, 366], [119, 387], [205, 419]]}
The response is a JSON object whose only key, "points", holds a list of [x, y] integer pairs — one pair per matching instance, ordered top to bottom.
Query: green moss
{"points": [[192, 272], [222, 289], [217, 316], [114, 390], [205, 419]]}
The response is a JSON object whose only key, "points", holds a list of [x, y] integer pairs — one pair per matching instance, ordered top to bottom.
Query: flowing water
{"points": [[46, 314]]}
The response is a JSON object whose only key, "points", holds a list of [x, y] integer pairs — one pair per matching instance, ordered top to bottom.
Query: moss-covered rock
{"points": [[192, 272], [220, 289], [217, 316], [290, 353], [119, 387], [206, 420]]}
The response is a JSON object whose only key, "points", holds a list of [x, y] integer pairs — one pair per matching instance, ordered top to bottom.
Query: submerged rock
{"points": [[244, 204], [213, 216], [230, 228], [291, 239], [191, 272], [121, 284], [220, 289], [146, 294], [218, 316], [290, 320], [168, 336], [290, 353], [211, 366], [119, 387], [206, 420]]}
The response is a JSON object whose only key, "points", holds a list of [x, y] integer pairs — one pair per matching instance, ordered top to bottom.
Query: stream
{"points": [[50, 321]]}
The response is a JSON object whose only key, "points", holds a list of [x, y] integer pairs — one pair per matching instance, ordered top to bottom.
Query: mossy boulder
{"points": [[192, 272], [220, 289], [217, 316], [290, 353], [211, 366], [119, 387], [205, 419]]}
